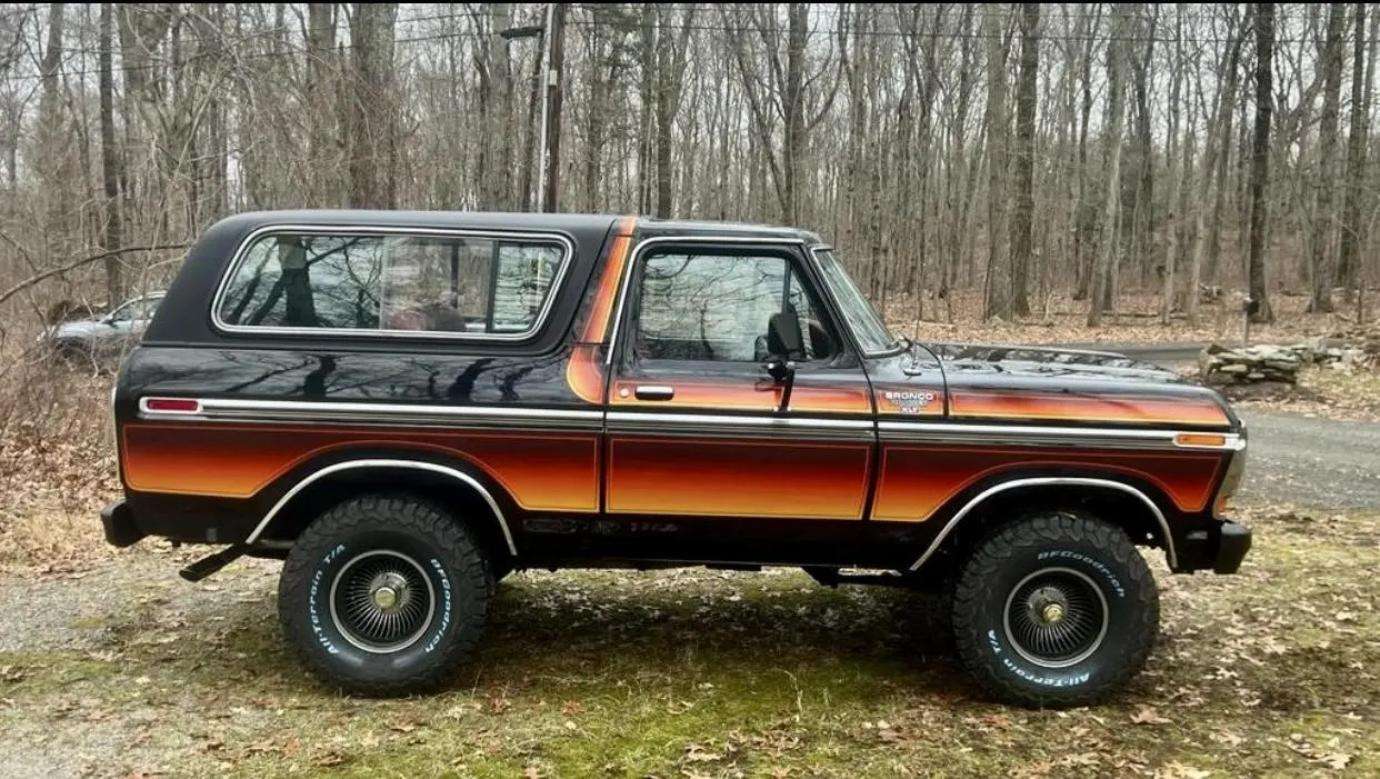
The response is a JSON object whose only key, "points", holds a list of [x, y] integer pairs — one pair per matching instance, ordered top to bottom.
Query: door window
{"points": [[708, 306]]}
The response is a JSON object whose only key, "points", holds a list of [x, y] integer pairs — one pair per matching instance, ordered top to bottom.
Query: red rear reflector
{"points": [[179, 405]]}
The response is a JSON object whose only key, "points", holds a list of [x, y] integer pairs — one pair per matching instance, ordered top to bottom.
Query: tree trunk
{"points": [[793, 105], [1226, 109], [373, 130], [1111, 154], [1260, 159], [110, 161], [322, 190], [1021, 227], [1352, 235], [1083, 259], [1322, 272], [997, 288]]}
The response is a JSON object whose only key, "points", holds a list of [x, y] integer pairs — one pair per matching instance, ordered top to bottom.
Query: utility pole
{"points": [[549, 179]]}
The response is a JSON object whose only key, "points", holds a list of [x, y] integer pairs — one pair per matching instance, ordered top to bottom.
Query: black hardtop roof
{"points": [[509, 221]]}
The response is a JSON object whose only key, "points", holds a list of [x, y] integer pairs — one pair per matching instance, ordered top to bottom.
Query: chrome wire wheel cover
{"points": [[382, 601], [1056, 617]]}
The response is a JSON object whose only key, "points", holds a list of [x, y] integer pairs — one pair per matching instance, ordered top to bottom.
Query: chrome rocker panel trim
{"points": [[238, 410], [893, 431], [414, 464], [1169, 552]]}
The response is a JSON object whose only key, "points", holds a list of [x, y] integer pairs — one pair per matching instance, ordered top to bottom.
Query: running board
{"points": [[208, 565]]}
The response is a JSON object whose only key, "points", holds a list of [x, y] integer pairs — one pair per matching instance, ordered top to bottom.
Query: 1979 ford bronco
{"points": [[406, 407]]}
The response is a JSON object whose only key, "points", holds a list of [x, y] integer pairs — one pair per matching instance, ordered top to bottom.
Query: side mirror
{"points": [[784, 338]]}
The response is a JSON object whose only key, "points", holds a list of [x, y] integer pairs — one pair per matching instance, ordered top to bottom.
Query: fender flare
{"points": [[420, 465], [1043, 481]]}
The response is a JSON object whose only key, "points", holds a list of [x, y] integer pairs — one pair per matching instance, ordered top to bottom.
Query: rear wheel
{"points": [[384, 594], [1057, 609]]}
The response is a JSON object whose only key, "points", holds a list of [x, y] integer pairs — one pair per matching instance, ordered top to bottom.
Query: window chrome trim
{"points": [[567, 259], [626, 282], [900, 346], [413, 464], [1169, 551]]}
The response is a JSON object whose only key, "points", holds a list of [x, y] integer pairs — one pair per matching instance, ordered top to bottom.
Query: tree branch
{"points": [[58, 271]]}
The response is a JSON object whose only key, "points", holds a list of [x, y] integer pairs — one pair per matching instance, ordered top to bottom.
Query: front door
{"points": [[696, 423]]}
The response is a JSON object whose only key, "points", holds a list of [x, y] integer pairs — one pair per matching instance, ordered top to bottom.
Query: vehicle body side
{"points": [[881, 459]]}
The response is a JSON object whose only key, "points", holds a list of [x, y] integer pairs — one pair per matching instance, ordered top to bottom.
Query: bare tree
{"points": [[372, 131], [110, 158], [1260, 160], [1022, 228], [1352, 235], [1322, 271], [997, 287], [1100, 288]]}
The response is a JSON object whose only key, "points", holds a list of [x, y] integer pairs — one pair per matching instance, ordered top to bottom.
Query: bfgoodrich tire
{"points": [[384, 594], [1057, 609]]}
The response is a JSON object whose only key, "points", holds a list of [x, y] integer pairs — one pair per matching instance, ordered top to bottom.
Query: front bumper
{"points": [[118, 522], [1233, 543], [1219, 547]]}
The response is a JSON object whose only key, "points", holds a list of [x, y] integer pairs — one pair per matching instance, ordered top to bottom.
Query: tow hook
{"points": [[210, 564]]}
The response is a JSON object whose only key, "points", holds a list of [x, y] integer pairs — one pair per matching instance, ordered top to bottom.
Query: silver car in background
{"points": [[105, 336]]}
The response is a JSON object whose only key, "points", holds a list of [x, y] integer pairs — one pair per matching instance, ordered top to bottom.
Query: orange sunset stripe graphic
{"points": [[585, 371], [1063, 407], [541, 471], [715, 477], [916, 481]]}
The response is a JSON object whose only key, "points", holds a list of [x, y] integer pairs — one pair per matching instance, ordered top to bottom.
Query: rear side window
{"points": [[475, 285]]}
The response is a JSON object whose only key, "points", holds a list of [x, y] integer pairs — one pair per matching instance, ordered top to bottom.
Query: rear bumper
{"points": [[118, 522], [1233, 544]]}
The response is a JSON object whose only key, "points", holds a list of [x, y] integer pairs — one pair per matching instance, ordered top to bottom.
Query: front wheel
{"points": [[384, 594], [1057, 609]]}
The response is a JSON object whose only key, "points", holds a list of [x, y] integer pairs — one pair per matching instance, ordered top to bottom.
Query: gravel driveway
{"points": [[1315, 463]]}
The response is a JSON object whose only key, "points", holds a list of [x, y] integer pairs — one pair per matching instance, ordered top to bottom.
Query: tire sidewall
{"points": [[342, 657], [1107, 661]]}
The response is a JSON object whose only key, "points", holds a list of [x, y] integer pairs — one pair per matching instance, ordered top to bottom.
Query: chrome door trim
{"points": [[567, 259], [721, 425], [414, 464], [1169, 551]]}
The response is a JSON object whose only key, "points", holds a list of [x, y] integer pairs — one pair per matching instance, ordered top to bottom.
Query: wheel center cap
{"points": [[385, 597]]}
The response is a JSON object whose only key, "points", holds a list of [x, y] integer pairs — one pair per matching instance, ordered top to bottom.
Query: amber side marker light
{"points": [[177, 405], [1200, 439]]}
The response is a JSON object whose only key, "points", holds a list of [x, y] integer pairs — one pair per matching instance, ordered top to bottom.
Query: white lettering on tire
{"points": [[1089, 561]]}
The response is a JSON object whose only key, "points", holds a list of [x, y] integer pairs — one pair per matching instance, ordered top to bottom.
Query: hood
{"points": [[978, 361], [1067, 386]]}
